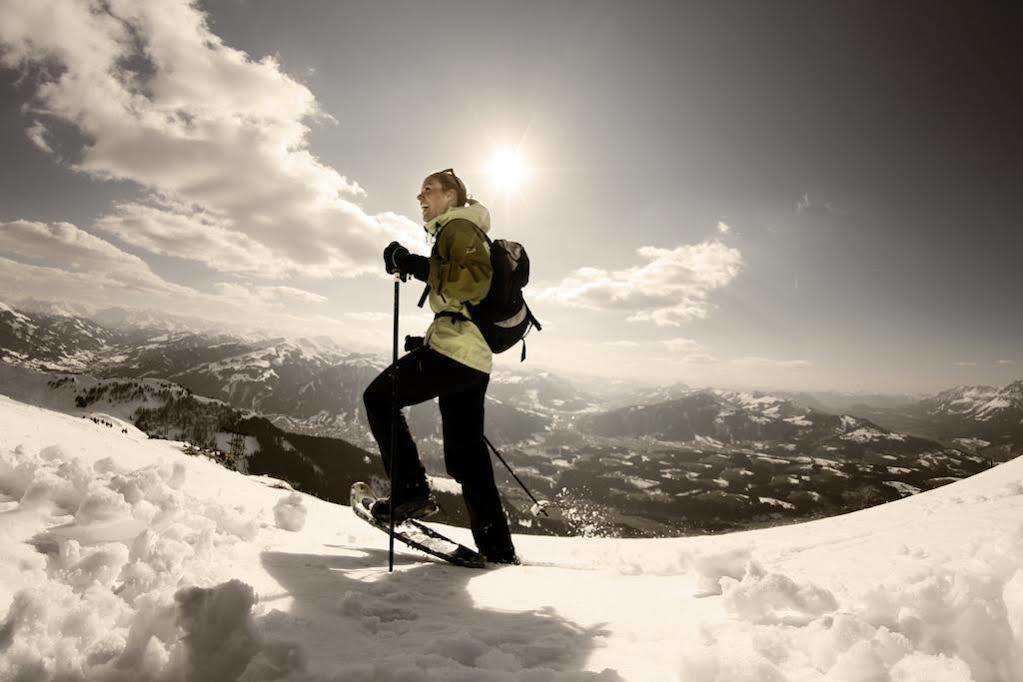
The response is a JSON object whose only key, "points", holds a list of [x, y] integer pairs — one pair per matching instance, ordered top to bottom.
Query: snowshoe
{"points": [[419, 507]]}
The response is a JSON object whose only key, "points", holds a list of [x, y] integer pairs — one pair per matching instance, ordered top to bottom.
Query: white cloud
{"points": [[37, 134], [219, 137], [803, 203], [723, 227], [196, 235], [37, 251], [62, 262], [672, 287], [247, 295], [623, 343], [681, 344], [688, 352], [698, 359], [757, 361], [1005, 362], [965, 364]]}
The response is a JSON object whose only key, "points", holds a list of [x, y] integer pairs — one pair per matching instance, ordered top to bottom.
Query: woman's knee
{"points": [[376, 396]]}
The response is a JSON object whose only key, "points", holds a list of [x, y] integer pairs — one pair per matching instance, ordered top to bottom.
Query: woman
{"points": [[451, 362]]}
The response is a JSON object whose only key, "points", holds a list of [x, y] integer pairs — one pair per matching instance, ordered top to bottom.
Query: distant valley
{"points": [[618, 458]]}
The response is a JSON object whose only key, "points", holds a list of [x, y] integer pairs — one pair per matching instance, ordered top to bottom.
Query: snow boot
{"points": [[417, 506], [506, 557]]}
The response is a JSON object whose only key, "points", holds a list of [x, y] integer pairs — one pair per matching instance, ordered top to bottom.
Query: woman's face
{"points": [[434, 200]]}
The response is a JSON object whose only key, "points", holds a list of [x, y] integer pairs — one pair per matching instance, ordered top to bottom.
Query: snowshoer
{"points": [[452, 362]]}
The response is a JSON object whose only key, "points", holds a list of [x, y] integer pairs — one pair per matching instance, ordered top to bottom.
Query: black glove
{"points": [[398, 259], [389, 263], [413, 342]]}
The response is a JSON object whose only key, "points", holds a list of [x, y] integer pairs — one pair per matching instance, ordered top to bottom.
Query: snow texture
{"points": [[290, 512], [127, 560]]}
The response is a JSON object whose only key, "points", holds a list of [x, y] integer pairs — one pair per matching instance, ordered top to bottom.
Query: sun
{"points": [[507, 170]]}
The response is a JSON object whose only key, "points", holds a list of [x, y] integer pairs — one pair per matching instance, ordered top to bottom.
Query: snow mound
{"points": [[290, 512], [127, 560], [101, 596]]}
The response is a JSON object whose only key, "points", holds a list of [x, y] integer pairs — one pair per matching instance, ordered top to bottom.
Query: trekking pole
{"points": [[395, 412], [539, 506]]}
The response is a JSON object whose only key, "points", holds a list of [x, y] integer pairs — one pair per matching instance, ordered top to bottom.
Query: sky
{"points": [[777, 195]]}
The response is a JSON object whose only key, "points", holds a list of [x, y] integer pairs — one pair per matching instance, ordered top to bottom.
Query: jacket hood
{"points": [[476, 213]]}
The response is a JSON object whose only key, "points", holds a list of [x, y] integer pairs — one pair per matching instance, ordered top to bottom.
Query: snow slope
{"points": [[125, 559]]}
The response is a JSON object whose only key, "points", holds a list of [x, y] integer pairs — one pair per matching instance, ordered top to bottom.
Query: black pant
{"points": [[424, 374]]}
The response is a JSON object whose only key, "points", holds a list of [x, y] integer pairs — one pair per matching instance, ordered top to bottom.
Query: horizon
{"points": [[793, 197], [33, 305]]}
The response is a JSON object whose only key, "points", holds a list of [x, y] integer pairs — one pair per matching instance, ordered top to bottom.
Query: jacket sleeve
{"points": [[460, 269]]}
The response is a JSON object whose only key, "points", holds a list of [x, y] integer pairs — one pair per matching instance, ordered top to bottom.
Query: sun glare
{"points": [[507, 169]]}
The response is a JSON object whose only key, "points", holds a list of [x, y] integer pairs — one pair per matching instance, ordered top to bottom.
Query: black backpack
{"points": [[503, 317]]}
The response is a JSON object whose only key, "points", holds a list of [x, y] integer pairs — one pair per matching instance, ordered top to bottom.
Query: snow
{"points": [[992, 407], [866, 434], [972, 443], [772, 460], [641, 483], [445, 484], [903, 488], [776, 502], [290, 512], [125, 559]]}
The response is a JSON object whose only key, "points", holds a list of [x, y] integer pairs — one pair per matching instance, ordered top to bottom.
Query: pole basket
{"points": [[540, 508]]}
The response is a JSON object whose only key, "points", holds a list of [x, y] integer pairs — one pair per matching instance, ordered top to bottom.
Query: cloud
{"points": [[37, 134], [216, 139], [804, 203], [723, 228], [195, 235], [38, 251], [62, 262], [672, 287], [246, 295], [623, 343], [681, 344], [688, 352], [695, 359], [757, 361], [1005, 362], [965, 364]]}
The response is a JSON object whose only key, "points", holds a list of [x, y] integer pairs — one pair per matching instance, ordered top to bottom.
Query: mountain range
{"points": [[619, 458]]}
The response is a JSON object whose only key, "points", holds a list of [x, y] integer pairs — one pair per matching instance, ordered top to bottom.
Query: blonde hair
{"points": [[448, 180]]}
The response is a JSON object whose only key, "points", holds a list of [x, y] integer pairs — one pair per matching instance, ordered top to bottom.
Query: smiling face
{"points": [[434, 199]]}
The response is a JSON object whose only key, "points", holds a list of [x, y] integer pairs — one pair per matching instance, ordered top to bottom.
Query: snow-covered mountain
{"points": [[50, 341], [307, 385], [847, 401], [979, 403], [733, 416], [987, 420], [720, 460], [126, 559]]}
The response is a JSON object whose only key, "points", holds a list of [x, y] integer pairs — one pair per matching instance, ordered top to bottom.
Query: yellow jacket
{"points": [[460, 273]]}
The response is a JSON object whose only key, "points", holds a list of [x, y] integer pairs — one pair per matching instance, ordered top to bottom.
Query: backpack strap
{"points": [[426, 289], [453, 315], [536, 323]]}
